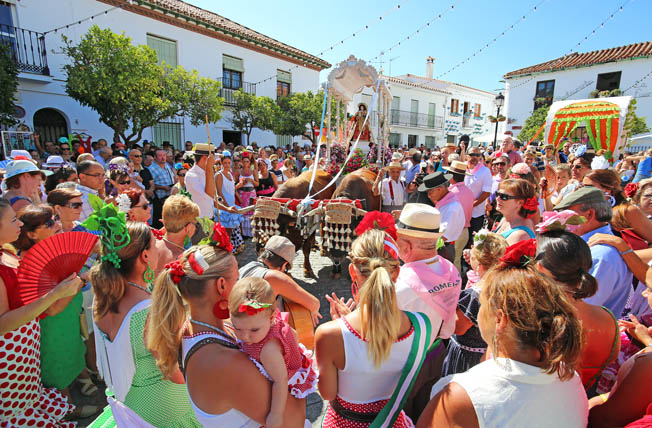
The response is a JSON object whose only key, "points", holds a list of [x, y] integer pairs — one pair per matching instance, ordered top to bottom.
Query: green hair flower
{"points": [[111, 223]]}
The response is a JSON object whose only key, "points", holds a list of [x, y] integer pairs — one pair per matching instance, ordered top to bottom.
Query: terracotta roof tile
{"points": [[188, 10], [636, 50]]}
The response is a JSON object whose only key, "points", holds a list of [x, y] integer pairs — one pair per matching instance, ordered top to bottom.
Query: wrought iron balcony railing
{"points": [[26, 48], [229, 87], [416, 120]]}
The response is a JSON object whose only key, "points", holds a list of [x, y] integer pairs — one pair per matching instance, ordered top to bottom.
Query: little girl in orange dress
{"points": [[271, 344]]}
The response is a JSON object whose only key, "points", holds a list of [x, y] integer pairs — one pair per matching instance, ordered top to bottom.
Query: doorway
{"points": [[50, 125], [234, 137]]}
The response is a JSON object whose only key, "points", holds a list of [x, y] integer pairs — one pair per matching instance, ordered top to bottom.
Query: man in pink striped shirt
{"points": [[465, 197]]}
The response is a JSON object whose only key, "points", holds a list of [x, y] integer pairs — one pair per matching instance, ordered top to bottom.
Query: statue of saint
{"points": [[356, 123]]}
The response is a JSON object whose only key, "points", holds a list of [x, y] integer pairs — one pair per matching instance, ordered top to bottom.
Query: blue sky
{"points": [[551, 31]]}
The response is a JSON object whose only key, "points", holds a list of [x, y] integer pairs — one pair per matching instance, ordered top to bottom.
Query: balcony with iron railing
{"points": [[26, 48], [229, 87], [416, 120]]}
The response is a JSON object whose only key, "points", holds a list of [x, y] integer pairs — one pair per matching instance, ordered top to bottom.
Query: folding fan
{"points": [[51, 261]]}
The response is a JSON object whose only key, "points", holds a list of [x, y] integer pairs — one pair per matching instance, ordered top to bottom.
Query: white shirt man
{"points": [[196, 181], [480, 183], [393, 188]]}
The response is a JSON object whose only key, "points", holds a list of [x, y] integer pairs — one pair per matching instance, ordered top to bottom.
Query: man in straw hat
{"points": [[199, 179], [436, 186], [392, 189], [464, 195], [426, 283]]}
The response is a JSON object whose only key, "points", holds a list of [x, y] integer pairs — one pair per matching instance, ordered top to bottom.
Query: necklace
{"points": [[176, 245], [133, 284], [215, 329]]}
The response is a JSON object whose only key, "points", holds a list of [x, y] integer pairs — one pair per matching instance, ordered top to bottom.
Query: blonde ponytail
{"points": [[168, 314], [380, 315], [166, 320]]}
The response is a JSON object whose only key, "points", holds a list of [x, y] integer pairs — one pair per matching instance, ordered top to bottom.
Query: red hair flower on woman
{"points": [[630, 190], [531, 205], [377, 220], [158, 234], [220, 238], [520, 254], [176, 271]]}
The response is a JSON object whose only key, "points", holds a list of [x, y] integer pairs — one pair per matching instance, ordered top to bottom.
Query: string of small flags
{"points": [[89, 18], [418, 30], [341, 42], [491, 42], [577, 45], [639, 81]]}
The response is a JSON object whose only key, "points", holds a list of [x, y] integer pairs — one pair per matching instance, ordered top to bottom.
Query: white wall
{"points": [[194, 51], [519, 100]]}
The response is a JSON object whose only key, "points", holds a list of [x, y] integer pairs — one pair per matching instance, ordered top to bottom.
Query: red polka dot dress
{"points": [[302, 371], [24, 402]]}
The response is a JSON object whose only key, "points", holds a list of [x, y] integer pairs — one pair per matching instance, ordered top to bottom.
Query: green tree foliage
{"points": [[8, 87], [130, 90], [252, 112], [300, 114], [533, 123], [633, 123]]}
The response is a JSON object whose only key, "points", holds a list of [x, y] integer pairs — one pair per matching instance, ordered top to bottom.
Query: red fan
{"points": [[51, 261]]}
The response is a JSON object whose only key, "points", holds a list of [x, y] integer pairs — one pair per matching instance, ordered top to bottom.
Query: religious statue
{"points": [[356, 125]]}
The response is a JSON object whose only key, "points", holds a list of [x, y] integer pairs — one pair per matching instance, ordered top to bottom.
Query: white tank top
{"points": [[228, 189], [360, 381], [506, 393], [231, 419]]}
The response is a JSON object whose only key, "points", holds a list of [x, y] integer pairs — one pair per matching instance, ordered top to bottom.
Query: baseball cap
{"points": [[282, 247]]}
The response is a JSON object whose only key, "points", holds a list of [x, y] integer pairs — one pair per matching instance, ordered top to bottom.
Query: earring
{"points": [[187, 243], [148, 275], [354, 288], [221, 309], [494, 346]]}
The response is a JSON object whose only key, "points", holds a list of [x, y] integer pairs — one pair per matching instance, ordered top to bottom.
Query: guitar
{"points": [[299, 319]]}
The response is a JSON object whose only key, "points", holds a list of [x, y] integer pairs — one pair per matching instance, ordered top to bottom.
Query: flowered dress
{"points": [[231, 220], [302, 371], [23, 399]]}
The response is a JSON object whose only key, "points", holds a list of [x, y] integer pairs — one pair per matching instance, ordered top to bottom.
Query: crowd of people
{"points": [[494, 288]]}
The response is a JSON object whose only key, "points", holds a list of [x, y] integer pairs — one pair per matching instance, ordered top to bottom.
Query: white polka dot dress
{"points": [[24, 402]]}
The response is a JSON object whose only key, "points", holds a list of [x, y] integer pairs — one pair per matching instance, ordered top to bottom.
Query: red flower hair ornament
{"points": [[630, 190], [531, 205], [377, 220], [158, 234], [219, 238], [519, 255], [176, 271], [252, 307]]}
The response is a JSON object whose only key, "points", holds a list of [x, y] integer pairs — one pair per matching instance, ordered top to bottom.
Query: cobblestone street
{"points": [[324, 284]]}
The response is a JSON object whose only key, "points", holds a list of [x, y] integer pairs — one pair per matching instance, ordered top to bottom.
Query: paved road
{"points": [[315, 406]]}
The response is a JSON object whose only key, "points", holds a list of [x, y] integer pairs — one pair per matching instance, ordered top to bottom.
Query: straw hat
{"points": [[395, 165], [457, 167], [419, 221]]}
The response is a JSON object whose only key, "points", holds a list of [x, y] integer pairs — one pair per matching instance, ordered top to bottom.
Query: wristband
{"points": [[622, 253]]}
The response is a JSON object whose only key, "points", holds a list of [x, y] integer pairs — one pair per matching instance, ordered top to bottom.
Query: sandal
{"points": [[88, 388], [83, 412]]}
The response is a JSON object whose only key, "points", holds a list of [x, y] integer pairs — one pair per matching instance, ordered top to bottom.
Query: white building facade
{"points": [[181, 34], [580, 76], [431, 112]]}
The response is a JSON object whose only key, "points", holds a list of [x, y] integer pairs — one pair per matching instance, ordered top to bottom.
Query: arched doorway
{"points": [[50, 125]]}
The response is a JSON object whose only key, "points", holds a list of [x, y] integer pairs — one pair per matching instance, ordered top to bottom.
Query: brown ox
{"points": [[356, 185], [297, 188]]}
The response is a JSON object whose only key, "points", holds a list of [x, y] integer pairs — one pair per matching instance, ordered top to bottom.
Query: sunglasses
{"points": [[475, 155], [138, 156], [499, 164], [578, 166], [91, 175], [181, 175], [124, 182], [505, 196], [75, 205], [143, 206], [49, 223]]}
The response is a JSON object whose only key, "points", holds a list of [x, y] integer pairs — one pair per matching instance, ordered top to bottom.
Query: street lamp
{"points": [[500, 101]]}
